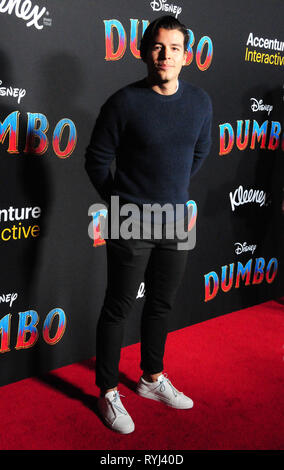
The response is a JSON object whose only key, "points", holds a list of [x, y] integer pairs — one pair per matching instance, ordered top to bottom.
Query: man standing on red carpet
{"points": [[159, 132]]}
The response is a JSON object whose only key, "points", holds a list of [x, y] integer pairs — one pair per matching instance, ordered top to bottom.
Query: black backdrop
{"points": [[58, 65]]}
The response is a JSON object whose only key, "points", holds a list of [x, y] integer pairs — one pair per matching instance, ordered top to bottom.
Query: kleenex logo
{"points": [[161, 5], [24, 10]]}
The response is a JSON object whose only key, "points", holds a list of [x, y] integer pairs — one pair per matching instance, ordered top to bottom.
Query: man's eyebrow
{"points": [[172, 44]]}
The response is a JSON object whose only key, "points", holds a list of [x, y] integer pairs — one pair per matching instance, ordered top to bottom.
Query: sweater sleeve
{"points": [[203, 144], [103, 146]]}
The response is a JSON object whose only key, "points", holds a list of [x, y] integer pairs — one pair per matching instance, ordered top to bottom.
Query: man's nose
{"points": [[165, 53]]}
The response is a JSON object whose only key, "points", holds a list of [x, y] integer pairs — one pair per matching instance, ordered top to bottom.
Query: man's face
{"points": [[166, 56]]}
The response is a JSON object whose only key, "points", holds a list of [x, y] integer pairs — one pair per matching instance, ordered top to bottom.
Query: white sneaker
{"points": [[163, 391], [114, 414]]}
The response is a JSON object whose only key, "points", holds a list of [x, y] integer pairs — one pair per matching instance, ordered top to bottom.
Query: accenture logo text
{"points": [[161, 5], [24, 10], [274, 58]]}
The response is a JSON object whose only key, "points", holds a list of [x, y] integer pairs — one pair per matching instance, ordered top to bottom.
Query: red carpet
{"points": [[232, 367]]}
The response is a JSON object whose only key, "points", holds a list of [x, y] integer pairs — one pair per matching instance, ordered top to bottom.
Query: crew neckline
{"points": [[171, 97]]}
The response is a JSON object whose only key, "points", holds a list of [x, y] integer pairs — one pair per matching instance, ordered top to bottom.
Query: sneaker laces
{"points": [[163, 387], [113, 403]]}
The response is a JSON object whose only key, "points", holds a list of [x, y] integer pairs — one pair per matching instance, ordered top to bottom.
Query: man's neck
{"points": [[166, 88]]}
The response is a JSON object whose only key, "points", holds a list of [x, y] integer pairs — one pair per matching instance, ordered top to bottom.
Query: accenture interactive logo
{"points": [[33, 15], [271, 55], [19, 230]]}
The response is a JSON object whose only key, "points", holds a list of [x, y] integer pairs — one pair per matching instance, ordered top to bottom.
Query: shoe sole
{"points": [[160, 400], [109, 425], [116, 430]]}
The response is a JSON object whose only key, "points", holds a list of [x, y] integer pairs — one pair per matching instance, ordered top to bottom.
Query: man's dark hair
{"points": [[166, 22]]}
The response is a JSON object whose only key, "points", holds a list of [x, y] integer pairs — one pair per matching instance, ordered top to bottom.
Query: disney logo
{"points": [[158, 5], [14, 92], [259, 106], [243, 247], [8, 298]]}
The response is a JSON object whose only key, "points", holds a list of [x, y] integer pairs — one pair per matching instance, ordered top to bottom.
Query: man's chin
{"points": [[162, 77]]}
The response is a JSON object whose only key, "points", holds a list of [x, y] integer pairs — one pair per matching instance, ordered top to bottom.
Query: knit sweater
{"points": [[158, 141]]}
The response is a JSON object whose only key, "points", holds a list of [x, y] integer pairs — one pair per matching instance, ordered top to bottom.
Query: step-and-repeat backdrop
{"points": [[59, 62]]}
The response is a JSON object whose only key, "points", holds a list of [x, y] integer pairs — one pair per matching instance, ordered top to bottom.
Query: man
{"points": [[158, 130]]}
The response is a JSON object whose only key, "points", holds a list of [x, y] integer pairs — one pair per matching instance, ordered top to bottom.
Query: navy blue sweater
{"points": [[159, 141]]}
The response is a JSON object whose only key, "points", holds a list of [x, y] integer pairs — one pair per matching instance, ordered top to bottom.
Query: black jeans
{"points": [[129, 262]]}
